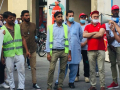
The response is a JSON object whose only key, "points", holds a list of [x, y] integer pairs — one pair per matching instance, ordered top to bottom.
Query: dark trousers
{"points": [[28, 61], [85, 62], [2, 74]]}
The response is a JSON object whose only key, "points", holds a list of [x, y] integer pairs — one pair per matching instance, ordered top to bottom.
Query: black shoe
{"points": [[71, 85], [36, 86], [56, 86], [20, 89]]}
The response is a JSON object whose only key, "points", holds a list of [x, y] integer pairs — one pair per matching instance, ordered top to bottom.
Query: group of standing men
{"points": [[15, 38], [67, 41]]}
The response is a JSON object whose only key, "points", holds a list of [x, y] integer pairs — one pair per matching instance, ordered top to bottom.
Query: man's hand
{"points": [[111, 22], [112, 27], [4, 32], [83, 44], [28, 54], [48, 57], [69, 57], [3, 61]]}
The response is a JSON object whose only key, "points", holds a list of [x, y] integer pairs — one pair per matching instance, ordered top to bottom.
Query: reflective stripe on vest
{"points": [[51, 38], [17, 40], [12, 47]]}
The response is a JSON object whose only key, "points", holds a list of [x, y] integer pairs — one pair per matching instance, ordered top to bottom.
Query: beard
{"points": [[115, 15], [27, 20], [11, 23]]}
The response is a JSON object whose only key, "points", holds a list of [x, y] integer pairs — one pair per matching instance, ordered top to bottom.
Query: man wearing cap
{"points": [[82, 19], [114, 47], [96, 49]]}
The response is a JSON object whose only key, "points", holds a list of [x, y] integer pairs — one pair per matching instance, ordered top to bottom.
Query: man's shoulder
{"points": [[32, 23], [76, 23]]}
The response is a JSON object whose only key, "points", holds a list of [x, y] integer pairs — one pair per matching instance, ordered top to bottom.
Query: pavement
{"points": [[42, 74]]}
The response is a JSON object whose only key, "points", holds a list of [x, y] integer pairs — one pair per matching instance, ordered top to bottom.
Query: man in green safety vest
{"points": [[57, 46], [13, 50]]}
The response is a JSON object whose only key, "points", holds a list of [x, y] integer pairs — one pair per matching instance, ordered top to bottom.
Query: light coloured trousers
{"points": [[98, 55], [113, 56], [18, 60], [33, 66]]}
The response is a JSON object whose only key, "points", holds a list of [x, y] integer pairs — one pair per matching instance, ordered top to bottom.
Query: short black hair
{"points": [[69, 11], [23, 12], [57, 13], [7, 14], [14, 15]]}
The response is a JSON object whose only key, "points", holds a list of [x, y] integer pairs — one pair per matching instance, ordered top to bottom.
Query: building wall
{"points": [[4, 6], [16, 6], [79, 6], [103, 6], [34, 11]]}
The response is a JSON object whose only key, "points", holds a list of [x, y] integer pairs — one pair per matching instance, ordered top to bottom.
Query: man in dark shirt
{"points": [[29, 30]]}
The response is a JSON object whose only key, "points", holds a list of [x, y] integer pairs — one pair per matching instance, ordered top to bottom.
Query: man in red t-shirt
{"points": [[94, 33]]}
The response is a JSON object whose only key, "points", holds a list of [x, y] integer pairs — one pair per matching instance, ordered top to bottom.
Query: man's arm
{"points": [[115, 25], [99, 34], [88, 35], [117, 37], [109, 38], [83, 43], [25, 46], [2, 58]]}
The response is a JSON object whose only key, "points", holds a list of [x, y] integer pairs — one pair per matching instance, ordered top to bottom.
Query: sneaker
{"points": [[29, 67], [97, 74], [77, 79], [87, 80], [7, 81], [4, 85], [71, 85], [113, 85], [56, 86], [36, 87], [59, 88], [92, 88], [102, 88]]}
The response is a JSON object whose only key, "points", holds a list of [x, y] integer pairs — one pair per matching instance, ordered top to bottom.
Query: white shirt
{"points": [[84, 39], [115, 42]]}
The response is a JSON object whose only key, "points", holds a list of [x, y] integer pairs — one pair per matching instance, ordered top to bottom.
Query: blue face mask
{"points": [[71, 19], [82, 21]]}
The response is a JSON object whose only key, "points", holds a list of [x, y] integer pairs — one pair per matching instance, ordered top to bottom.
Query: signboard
{"points": [[54, 6], [1, 41]]}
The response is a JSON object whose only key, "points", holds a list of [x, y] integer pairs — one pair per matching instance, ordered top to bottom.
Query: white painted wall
{"points": [[116, 2], [80, 6]]}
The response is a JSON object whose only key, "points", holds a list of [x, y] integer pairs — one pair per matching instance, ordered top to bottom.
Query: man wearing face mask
{"points": [[82, 18], [75, 38], [114, 47], [96, 49]]}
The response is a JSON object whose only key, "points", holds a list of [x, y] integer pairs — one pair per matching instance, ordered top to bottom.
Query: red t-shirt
{"points": [[93, 43]]}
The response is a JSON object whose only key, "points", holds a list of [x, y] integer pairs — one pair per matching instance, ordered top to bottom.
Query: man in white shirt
{"points": [[114, 49]]}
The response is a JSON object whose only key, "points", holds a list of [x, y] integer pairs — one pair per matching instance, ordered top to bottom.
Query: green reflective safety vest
{"points": [[51, 38], [12, 47]]}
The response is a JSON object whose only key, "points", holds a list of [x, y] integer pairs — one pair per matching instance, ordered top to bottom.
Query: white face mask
{"points": [[95, 20]]}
